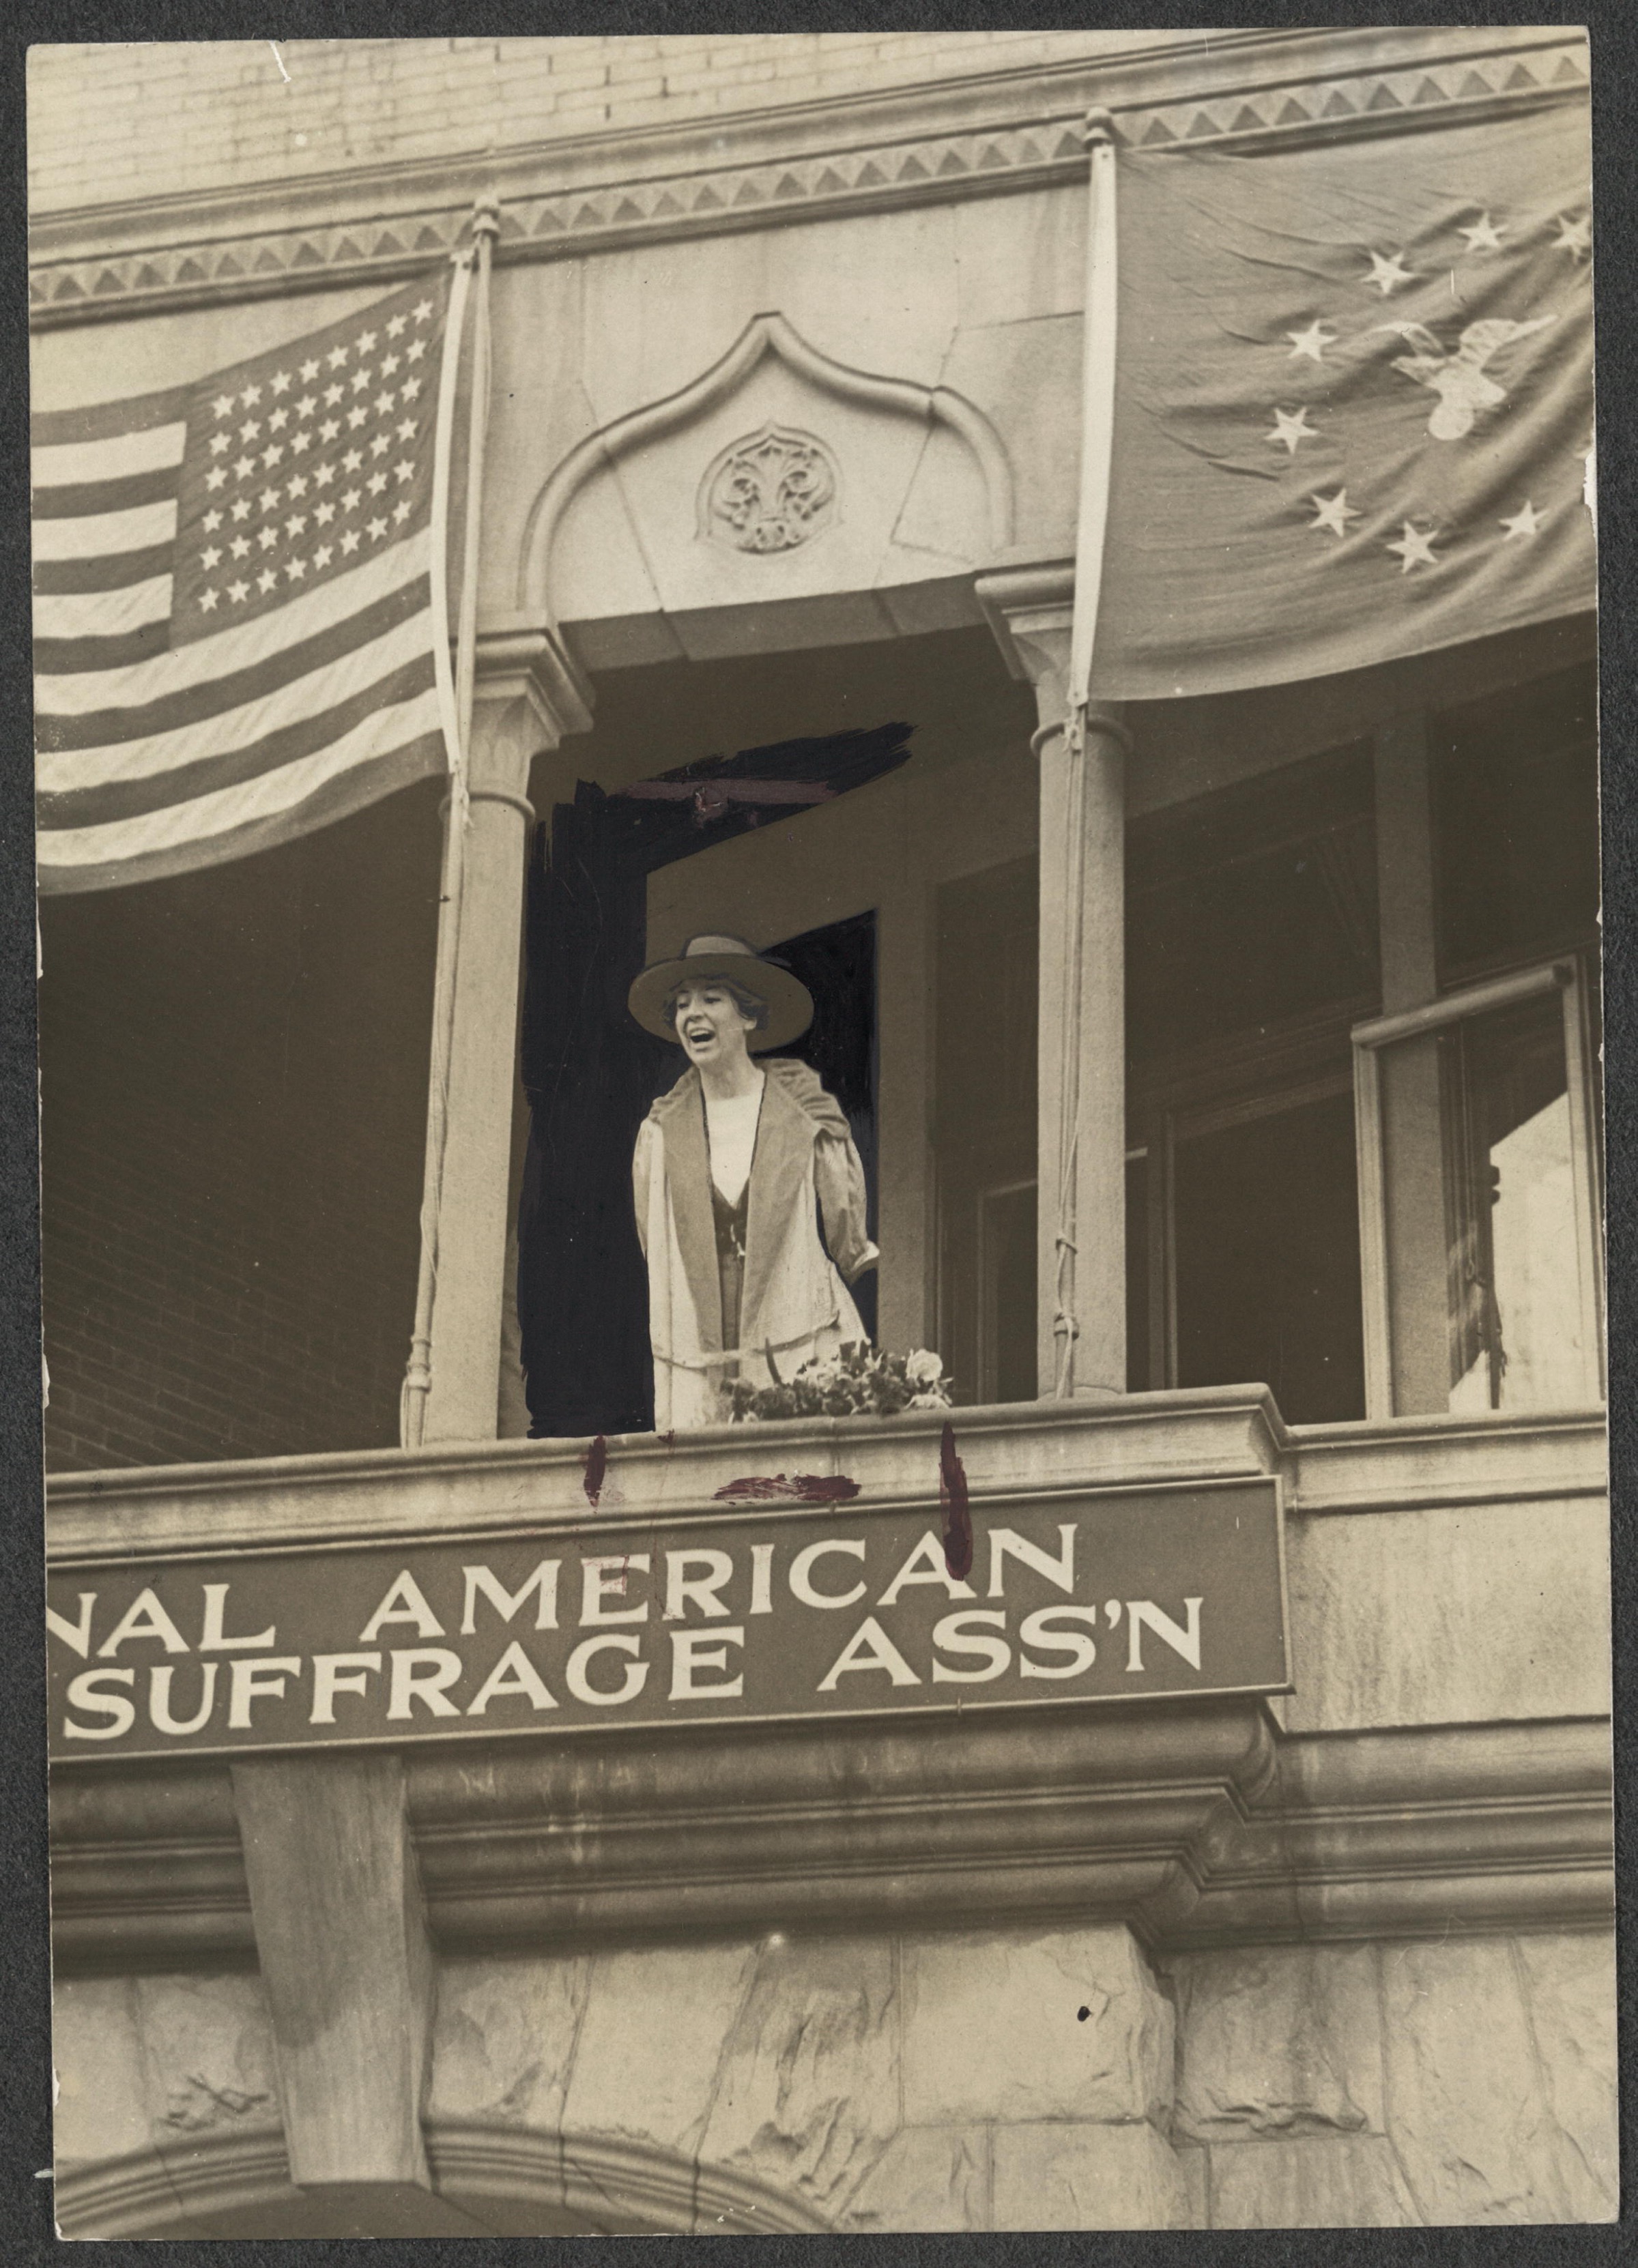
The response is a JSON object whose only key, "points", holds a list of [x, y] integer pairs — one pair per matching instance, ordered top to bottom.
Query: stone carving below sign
{"points": [[772, 491]]}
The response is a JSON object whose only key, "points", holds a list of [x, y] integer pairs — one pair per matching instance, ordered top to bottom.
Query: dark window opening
{"points": [[1515, 781], [1250, 907], [1251, 945], [984, 1123], [1267, 1259]]}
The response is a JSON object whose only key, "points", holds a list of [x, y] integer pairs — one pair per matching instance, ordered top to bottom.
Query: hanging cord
{"points": [[457, 702], [1066, 1325]]}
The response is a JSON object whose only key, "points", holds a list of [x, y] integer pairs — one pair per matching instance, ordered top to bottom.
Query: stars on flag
{"points": [[1483, 236], [1574, 236], [1387, 274], [1310, 342], [285, 421], [1290, 429], [1334, 512], [1529, 522], [1414, 548]]}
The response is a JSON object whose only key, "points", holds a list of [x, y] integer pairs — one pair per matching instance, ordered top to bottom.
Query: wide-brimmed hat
{"points": [[790, 1003]]}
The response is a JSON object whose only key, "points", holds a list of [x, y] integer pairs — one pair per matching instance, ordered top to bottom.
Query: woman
{"points": [[733, 1169]]}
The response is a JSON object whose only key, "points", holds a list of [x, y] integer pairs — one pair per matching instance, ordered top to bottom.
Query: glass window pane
{"points": [[1485, 1273], [1516, 1336]]}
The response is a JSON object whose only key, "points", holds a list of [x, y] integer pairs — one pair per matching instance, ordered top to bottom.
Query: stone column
{"points": [[529, 695], [1081, 1238]]}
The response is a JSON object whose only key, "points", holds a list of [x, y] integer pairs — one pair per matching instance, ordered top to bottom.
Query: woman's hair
{"points": [[748, 1003]]}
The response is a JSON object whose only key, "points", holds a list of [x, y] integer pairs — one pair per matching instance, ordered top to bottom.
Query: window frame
{"points": [[1565, 974]]}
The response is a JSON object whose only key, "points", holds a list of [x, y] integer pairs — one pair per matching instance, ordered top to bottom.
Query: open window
{"points": [[1252, 949], [1479, 1190]]}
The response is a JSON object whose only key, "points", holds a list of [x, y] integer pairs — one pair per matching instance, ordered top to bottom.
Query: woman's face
{"points": [[711, 1024]]}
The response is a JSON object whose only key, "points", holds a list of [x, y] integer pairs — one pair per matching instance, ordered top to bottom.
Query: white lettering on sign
{"points": [[1005, 1542], [926, 1565], [803, 1573], [605, 1579], [543, 1582], [682, 1588], [1136, 1595], [403, 1603], [1143, 1613], [144, 1617], [1045, 1629], [76, 1634], [955, 1635], [211, 1639], [869, 1648], [693, 1651], [338, 1673], [423, 1673], [513, 1677], [576, 1678], [258, 1679], [87, 1693], [159, 1700]]}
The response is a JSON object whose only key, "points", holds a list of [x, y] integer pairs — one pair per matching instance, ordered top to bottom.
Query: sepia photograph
{"points": [[821, 1077]]}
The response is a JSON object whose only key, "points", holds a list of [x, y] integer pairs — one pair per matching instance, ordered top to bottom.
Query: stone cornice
{"points": [[956, 138], [1194, 1825]]}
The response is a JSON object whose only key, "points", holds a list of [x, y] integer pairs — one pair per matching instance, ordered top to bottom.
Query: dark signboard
{"points": [[736, 1617]]}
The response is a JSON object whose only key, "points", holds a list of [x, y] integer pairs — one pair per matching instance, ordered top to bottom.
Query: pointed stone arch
{"points": [[764, 336]]}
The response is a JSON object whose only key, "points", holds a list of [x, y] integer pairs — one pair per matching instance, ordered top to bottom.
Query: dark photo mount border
{"points": [[26, 2229]]}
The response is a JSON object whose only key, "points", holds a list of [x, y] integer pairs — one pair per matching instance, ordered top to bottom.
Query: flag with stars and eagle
{"points": [[1353, 403]]}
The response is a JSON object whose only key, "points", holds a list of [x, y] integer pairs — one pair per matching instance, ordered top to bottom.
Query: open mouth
{"points": [[698, 1035]]}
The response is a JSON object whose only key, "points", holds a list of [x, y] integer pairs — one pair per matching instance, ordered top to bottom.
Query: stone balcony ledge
{"points": [[1009, 1451]]}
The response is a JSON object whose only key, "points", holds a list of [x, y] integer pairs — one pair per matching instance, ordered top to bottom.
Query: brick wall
{"points": [[119, 120], [233, 1081]]}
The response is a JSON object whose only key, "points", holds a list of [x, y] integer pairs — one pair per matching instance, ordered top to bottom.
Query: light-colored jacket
{"points": [[794, 1305]]}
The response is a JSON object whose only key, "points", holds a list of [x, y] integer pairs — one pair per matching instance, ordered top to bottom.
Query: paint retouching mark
{"points": [[279, 60], [596, 1467], [800, 1488], [957, 1518]]}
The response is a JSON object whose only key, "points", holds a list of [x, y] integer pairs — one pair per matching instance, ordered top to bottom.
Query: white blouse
{"points": [[731, 1135]]}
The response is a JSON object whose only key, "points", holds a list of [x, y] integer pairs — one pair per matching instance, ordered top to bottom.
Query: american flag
{"points": [[240, 623]]}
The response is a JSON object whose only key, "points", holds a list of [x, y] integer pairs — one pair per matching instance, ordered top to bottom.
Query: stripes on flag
{"points": [[238, 607]]}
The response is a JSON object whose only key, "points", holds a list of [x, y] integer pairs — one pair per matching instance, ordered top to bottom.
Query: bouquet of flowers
{"points": [[861, 1380]]}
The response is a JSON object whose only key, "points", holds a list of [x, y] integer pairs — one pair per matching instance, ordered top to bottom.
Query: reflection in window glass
{"points": [[1480, 1167], [1514, 1284]]}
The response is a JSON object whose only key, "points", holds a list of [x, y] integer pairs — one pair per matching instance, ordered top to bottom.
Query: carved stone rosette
{"points": [[772, 491]]}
